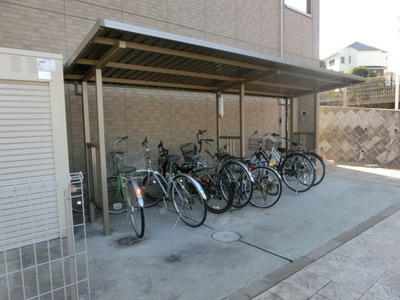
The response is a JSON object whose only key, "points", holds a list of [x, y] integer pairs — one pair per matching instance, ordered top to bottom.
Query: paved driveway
{"points": [[233, 250]]}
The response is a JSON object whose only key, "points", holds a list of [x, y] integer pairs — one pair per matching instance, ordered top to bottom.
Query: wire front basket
{"points": [[266, 142], [188, 149], [136, 158]]}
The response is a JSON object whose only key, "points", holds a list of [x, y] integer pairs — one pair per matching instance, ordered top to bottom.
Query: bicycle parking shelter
{"points": [[123, 55]]}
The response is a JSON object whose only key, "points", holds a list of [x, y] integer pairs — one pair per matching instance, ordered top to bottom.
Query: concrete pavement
{"points": [[293, 250]]}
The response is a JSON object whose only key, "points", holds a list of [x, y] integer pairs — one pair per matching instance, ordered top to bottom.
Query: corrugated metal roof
{"points": [[140, 57]]}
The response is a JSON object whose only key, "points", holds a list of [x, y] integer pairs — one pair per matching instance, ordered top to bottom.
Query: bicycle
{"points": [[318, 160], [228, 166], [296, 169], [267, 186], [216, 187], [128, 188], [186, 194]]}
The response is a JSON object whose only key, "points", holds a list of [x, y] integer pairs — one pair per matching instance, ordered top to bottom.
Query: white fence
{"points": [[43, 250]]}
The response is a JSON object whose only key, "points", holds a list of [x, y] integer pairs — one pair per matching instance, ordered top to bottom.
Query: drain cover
{"points": [[226, 236]]}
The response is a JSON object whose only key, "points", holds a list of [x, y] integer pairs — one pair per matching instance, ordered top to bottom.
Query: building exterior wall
{"points": [[59, 26], [372, 58], [360, 136]]}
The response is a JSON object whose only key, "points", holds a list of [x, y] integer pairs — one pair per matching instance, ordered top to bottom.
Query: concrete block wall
{"points": [[59, 26], [361, 136]]}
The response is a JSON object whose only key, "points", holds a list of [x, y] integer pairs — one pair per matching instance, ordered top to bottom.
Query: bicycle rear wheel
{"points": [[298, 172], [241, 182], [267, 187], [218, 191], [189, 200], [135, 208]]}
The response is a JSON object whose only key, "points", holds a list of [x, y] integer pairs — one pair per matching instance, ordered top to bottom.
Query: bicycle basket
{"points": [[269, 144], [188, 149], [136, 158]]}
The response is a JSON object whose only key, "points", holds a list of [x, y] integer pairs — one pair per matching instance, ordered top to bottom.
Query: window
{"points": [[302, 6], [350, 59], [342, 60], [331, 62]]}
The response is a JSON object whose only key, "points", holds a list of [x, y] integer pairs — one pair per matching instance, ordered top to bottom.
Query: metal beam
{"points": [[162, 50], [105, 58], [154, 70], [171, 71], [312, 77], [247, 78], [159, 84], [283, 85]]}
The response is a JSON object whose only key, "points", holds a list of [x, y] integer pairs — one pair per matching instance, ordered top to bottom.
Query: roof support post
{"points": [[396, 98], [217, 99], [241, 112], [291, 118], [316, 121], [86, 123], [102, 152]]}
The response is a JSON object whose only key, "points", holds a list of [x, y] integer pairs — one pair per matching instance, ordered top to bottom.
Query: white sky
{"points": [[372, 22]]}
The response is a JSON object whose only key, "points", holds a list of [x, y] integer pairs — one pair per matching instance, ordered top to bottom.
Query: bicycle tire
{"points": [[319, 167], [298, 172], [241, 182], [267, 187], [218, 191], [152, 192], [189, 200], [135, 208]]}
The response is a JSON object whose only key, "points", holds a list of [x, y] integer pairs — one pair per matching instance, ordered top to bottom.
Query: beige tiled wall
{"points": [[59, 26], [361, 136]]}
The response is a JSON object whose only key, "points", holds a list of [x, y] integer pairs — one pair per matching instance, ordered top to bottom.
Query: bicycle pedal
{"points": [[163, 210]]}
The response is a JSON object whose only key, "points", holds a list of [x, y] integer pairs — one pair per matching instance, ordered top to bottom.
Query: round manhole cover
{"points": [[226, 236]]}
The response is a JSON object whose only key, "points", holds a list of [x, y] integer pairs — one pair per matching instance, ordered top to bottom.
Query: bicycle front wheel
{"points": [[319, 167], [298, 172], [241, 182], [267, 187], [218, 191], [189, 200], [135, 208]]}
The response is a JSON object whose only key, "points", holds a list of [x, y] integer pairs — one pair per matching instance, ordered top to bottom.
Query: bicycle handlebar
{"points": [[118, 140]]}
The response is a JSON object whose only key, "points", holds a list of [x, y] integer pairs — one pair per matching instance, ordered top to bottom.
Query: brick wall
{"points": [[59, 26], [361, 136]]}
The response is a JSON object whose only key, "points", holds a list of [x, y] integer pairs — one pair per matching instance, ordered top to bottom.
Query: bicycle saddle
{"points": [[297, 144], [283, 150], [221, 155], [193, 157], [172, 158]]}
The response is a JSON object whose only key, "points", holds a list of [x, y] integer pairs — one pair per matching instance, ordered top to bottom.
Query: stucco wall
{"points": [[361, 136]]}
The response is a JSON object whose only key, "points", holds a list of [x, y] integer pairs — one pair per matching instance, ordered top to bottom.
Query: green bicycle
{"points": [[124, 185]]}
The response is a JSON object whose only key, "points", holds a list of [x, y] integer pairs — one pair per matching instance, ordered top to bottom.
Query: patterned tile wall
{"points": [[361, 136]]}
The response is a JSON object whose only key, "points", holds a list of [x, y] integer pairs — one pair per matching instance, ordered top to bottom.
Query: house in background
{"points": [[358, 55]]}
